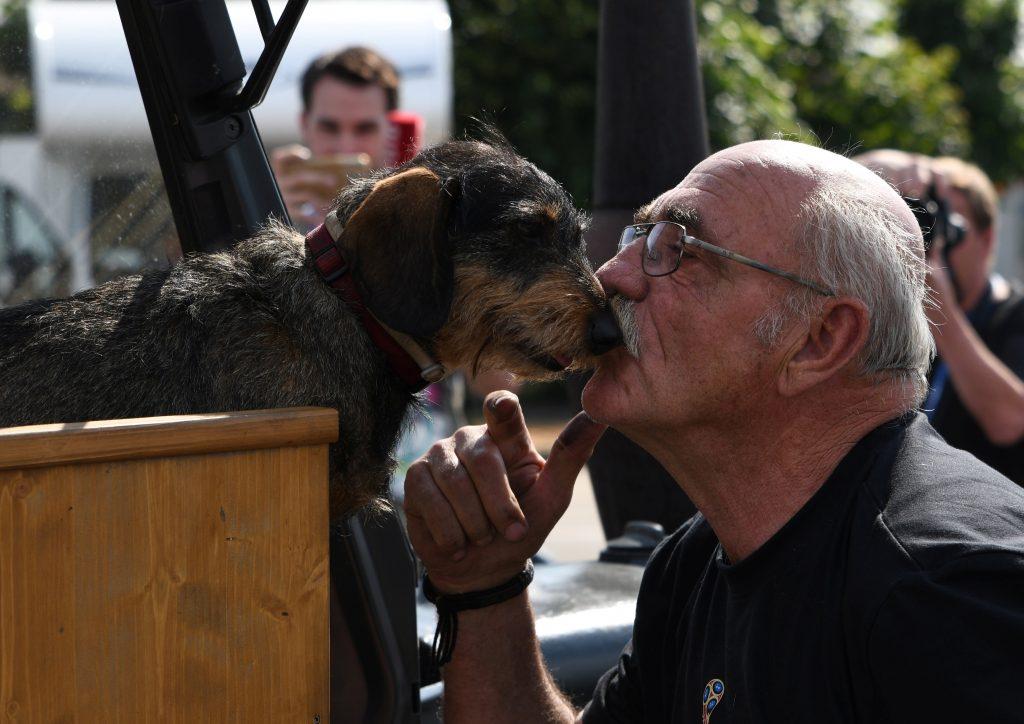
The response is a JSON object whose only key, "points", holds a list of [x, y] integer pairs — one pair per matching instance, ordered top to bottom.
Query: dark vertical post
{"points": [[651, 130]]}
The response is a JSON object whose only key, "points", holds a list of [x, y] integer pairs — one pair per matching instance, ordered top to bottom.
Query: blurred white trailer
{"points": [[86, 183]]}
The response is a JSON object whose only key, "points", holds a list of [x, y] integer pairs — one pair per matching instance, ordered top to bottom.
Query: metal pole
{"points": [[651, 130]]}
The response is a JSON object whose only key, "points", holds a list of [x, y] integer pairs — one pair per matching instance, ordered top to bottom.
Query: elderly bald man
{"points": [[846, 564]]}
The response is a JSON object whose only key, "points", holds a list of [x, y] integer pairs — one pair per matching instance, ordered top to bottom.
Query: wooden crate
{"points": [[166, 569]]}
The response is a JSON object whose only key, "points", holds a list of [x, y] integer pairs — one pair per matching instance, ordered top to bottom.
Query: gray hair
{"points": [[859, 248]]}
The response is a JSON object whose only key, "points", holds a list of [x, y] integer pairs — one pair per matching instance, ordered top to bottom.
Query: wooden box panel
{"points": [[186, 587]]}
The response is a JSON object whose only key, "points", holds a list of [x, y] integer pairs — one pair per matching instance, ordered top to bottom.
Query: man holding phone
{"points": [[346, 98]]}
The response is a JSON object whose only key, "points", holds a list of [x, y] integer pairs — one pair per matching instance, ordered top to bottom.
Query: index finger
{"points": [[507, 427]]}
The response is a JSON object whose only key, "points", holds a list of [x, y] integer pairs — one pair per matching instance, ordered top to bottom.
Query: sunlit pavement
{"points": [[577, 536]]}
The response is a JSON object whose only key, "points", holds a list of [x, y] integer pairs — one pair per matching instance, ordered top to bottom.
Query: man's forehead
{"points": [[734, 192]]}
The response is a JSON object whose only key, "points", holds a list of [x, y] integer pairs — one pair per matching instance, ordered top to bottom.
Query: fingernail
{"points": [[503, 404], [515, 532], [458, 556]]}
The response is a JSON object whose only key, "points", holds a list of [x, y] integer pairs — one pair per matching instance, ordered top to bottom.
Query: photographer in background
{"points": [[346, 97], [978, 322], [976, 398]]}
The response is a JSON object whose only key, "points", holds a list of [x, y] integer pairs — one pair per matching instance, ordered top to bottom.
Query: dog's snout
{"points": [[603, 333]]}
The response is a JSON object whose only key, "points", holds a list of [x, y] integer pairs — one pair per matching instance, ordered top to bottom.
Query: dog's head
{"points": [[479, 255]]}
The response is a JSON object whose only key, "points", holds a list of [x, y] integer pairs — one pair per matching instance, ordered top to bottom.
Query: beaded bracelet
{"points": [[449, 604]]}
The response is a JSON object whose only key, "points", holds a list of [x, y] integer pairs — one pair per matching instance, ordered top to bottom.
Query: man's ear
{"points": [[400, 250], [831, 341]]}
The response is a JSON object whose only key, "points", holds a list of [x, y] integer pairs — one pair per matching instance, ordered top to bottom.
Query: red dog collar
{"points": [[335, 271]]}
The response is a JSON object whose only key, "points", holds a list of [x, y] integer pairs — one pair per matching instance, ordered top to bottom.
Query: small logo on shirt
{"points": [[713, 693]]}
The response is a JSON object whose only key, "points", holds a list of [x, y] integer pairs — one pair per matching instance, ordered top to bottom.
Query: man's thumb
{"points": [[572, 449]]}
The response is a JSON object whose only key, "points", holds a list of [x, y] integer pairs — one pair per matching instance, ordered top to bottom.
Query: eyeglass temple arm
{"points": [[759, 265]]}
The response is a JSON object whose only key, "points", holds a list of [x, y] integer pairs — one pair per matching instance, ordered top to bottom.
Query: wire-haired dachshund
{"points": [[466, 256]]}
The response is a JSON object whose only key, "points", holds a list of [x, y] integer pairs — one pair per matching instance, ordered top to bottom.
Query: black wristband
{"points": [[449, 604]]}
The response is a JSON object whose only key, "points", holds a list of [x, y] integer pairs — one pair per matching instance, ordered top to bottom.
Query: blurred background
{"points": [[940, 77], [82, 199]]}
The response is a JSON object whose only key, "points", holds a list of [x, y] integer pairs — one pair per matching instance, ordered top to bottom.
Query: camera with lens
{"points": [[937, 220]]}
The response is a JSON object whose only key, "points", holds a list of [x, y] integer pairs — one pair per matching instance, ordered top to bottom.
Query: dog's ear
{"points": [[398, 243]]}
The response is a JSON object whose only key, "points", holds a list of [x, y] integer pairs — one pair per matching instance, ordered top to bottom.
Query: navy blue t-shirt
{"points": [[896, 594]]}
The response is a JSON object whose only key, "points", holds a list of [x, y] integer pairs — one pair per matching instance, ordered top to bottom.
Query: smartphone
{"points": [[332, 172]]}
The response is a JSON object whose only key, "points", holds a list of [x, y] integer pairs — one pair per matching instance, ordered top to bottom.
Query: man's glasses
{"points": [[666, 242]]}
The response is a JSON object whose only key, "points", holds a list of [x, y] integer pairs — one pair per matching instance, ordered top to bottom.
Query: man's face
{"points": [[346, 119], [971, 258], [699, 363]]}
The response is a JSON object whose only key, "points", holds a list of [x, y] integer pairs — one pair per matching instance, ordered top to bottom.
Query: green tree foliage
{"points": [[980, 36], [530, 68], [813, 69], [934, 77], [746, 97], [16, 110]]}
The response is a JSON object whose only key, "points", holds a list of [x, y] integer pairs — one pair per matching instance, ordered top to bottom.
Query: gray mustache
{"points": [[625, 314]]}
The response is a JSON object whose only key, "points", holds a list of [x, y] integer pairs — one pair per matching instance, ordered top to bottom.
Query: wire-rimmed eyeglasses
{"points": [[666, 242]]}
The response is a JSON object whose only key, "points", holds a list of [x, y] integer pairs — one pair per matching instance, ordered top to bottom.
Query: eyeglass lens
{"points": [[662, 243], [661, 251]]}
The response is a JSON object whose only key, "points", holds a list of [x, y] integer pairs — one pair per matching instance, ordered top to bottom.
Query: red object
{"points": [[405, 136], [335, 271]]}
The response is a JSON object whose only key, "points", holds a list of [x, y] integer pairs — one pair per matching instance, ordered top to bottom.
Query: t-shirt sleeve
{"points": [[948, 645], [617, 694]]}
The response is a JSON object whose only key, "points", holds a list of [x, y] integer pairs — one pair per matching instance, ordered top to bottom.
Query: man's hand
{"points": [[306, 192], [480, 503]]}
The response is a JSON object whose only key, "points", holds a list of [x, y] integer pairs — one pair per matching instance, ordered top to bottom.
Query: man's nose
{"points": [[348, 143], [331, 146], [622, 275]]}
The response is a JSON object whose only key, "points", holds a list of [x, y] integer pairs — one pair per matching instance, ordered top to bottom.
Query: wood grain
{"points": [[40, 445], [191, 588]]}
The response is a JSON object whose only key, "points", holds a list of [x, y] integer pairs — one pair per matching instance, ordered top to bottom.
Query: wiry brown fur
{"points": [[497, 325]]}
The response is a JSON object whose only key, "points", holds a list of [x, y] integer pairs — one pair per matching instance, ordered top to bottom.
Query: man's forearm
{"points": [[992, 393], [497, 673]]}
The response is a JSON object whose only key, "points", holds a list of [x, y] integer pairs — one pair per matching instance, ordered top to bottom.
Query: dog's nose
{"points": [[604, 333]]}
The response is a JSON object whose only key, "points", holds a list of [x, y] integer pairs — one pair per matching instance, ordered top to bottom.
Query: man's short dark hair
{"points": [[357, 65]]}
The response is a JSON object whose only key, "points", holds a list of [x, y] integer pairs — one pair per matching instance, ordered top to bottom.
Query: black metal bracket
{"points": [[264, 17], [276, 39], [189, 69]]}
